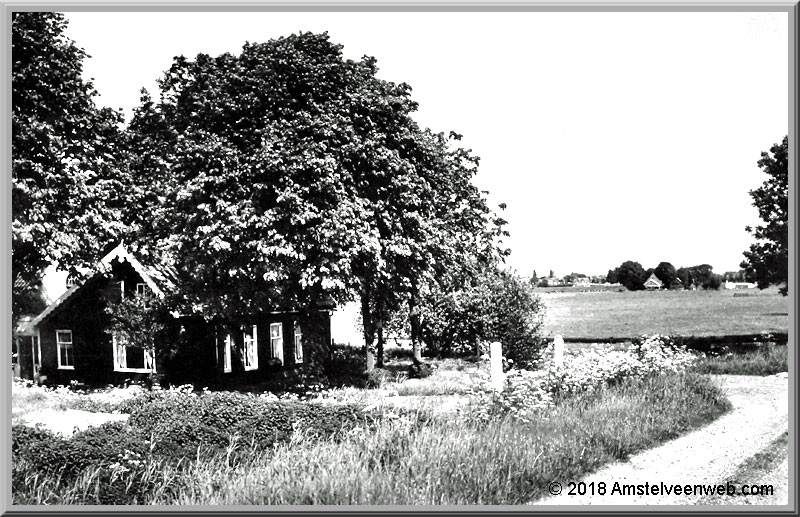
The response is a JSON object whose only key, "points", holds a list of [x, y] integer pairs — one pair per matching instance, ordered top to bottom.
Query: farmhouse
{"points": [[581, 281], [653, 282], [739, 285], [70, 341]]}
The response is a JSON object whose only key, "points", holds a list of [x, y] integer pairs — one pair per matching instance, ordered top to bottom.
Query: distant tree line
{"points": [[632, 275]]}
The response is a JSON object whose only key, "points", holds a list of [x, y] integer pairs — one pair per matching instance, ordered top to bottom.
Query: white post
{"points": [[558, 351], [496, 365]]}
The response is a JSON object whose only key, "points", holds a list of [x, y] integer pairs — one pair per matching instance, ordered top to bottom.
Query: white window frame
{"points": [[142, 289], [276, 341], [298, 343], [250, 348], [71, 349], [227, 349], [120, 350]]}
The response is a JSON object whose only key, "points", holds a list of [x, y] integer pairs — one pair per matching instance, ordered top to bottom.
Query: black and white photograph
{"points": [[519, 258]]}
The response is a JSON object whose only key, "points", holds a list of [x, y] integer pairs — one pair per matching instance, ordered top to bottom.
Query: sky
{"points": [[610, 136]]}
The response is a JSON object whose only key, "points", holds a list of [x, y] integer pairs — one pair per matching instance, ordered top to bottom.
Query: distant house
{"points": [[553, 281], [581, 281], [653, 283], [739, 285], [69, 340]]}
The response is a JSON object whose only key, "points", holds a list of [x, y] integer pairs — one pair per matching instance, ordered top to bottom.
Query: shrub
{"points": [[499, 306], [347, 366], [595, 367], [419, 371], [524, 393], [182, 422], [42, 448]]}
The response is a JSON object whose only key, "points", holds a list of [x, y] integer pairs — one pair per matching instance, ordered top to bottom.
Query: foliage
{"points": [[65, 162], [298, 176], [768, 259], [630, 274], [667, 274], [699, 276], [499, 306], [138, 320], [768, 359], [592, 368], [419, 371], [524, 394], [183, 421], [463, 461]]}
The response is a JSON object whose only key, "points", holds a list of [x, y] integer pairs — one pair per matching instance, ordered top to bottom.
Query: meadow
{"points": [[613, 315]]}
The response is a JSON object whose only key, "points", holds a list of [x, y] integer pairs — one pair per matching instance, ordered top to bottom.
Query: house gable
{"points": [[653, 282]]}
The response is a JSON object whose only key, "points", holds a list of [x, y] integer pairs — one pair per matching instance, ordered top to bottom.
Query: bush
{"points": [[500, 306], [347, 366], [419, 371], [182, 422], [98, 446], [43, 449]]}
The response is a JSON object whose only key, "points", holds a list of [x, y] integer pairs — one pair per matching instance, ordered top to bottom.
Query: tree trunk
{"points": [[366, 323], [379, 348]]}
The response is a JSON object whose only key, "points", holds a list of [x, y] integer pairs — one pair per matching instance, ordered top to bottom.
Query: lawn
{"points": [[614, 315]]}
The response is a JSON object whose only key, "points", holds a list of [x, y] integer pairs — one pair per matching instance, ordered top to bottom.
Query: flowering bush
{"points": [[592, 368], [525, 392]]}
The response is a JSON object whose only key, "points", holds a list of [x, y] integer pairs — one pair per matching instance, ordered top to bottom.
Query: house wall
{"points": [[316, 332], [92, 346], [191, 350]]}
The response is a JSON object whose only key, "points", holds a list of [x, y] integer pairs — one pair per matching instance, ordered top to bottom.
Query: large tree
{"points": [[296, 176], [65, 180], [768, 259], [631, 274], [667, 274]]}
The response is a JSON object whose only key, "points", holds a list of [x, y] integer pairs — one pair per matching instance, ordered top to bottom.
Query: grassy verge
{"points": [[766, 360], [451, 459]]}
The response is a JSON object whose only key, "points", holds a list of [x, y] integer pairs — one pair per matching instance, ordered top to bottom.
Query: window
{"points": [[142, 290], [276, 340], [298, 343], [250, 348], [226, 354], [66, 356], [131, 359]]}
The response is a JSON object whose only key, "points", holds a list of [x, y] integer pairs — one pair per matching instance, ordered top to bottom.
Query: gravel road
{"points": [[708, 455]]}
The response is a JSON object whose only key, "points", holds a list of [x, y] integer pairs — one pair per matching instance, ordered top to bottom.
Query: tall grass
{"points": [[768, 359], [451, 459]]}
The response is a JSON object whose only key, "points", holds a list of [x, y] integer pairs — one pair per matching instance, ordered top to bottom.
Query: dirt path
{"points": [[67, 422], [709, 455]]}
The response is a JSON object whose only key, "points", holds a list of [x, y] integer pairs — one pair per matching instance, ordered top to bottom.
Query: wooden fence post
{"points": [[558, 351], [496, 365]]}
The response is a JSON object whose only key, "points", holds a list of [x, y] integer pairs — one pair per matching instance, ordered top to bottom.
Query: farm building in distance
{"points": [[581, 281], [653, 282], [739, 285], [69, 341]]}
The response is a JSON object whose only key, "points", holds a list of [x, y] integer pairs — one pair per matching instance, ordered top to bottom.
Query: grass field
{"points": [[607, 315]]}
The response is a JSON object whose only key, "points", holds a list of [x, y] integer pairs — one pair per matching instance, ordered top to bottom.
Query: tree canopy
{"points": [[293, 175], [66, 182], [767, 260], [630, 274], [667, 274]]}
